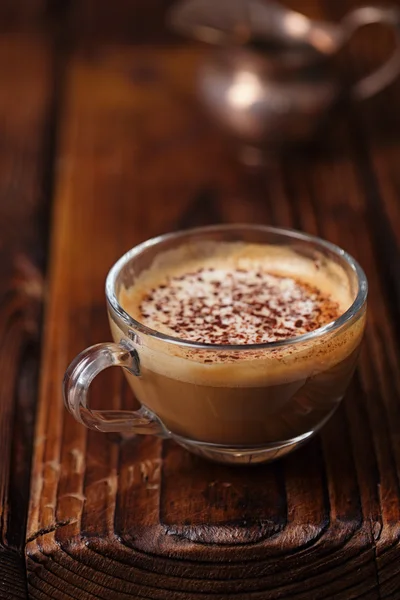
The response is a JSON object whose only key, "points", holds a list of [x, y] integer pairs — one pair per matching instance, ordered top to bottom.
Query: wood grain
{"points": [[25, 94], [373, 141], [144, 519]]}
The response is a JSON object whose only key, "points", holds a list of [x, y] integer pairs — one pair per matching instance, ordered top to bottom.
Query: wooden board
{"points": [[25, 94], [141, 518]]}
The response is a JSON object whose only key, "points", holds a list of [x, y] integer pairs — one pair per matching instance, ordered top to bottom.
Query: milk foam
{"points": [[310, 283], [226, 305]]}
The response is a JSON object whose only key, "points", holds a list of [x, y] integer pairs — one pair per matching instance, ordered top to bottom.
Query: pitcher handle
{"points": [[386, 73], [80, 374]]}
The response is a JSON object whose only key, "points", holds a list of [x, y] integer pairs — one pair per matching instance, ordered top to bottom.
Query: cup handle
{"points": [[386, 73], [80, 374]]}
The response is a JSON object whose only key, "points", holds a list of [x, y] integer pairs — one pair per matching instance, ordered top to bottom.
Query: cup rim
{"points": [[294, 234]]}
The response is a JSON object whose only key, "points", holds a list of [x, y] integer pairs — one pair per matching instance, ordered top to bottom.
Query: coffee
{"points": [[237, 294]]}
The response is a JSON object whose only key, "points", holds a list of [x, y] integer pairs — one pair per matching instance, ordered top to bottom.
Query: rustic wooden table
{"points": [[101, 147]]}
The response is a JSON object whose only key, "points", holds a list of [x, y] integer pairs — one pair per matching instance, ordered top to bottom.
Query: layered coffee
{"points": [[261, 375]]}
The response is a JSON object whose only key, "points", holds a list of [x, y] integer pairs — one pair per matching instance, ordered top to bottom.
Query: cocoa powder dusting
{"points": [[236, 306]]}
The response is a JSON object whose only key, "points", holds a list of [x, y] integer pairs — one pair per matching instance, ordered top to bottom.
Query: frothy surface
{"points": [[312, 284], [237, 293], [232, 305]]}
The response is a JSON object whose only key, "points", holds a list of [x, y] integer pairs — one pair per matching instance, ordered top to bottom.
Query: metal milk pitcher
{"points": [[268, 80]]}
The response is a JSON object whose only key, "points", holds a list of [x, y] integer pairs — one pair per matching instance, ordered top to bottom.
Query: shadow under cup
{"points": [[232, 404]]}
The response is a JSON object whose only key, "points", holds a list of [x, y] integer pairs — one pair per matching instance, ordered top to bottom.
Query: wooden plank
{"points": [[25, 95], [374, 130], [137, 158]]}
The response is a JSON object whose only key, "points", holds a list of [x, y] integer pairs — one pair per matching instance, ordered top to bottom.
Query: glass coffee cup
{"points": [[231, 403]]}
